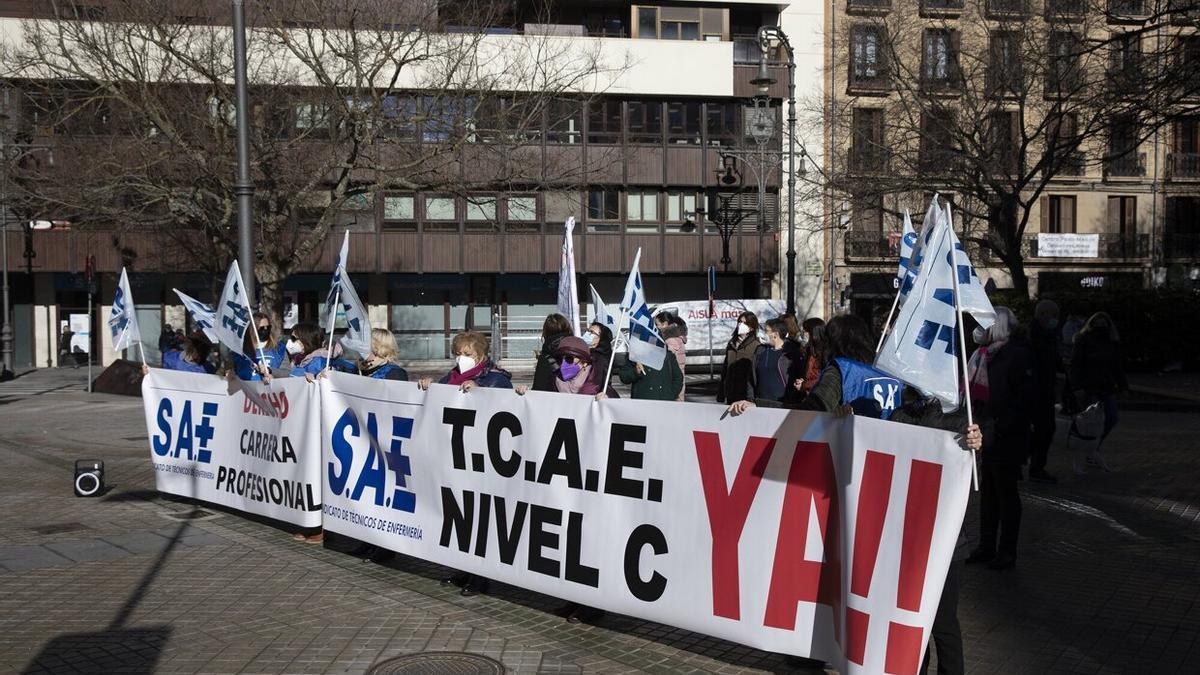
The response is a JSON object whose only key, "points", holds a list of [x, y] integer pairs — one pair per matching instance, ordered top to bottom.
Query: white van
{"points": [[705, 345]]}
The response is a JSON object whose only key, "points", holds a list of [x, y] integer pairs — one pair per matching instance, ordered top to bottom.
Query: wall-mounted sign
{"points": [[1051, 245]]}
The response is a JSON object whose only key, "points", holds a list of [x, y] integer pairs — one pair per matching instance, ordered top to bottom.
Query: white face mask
{"points": [[742, 329], [589, 338], [295, 347], [464, 363]]}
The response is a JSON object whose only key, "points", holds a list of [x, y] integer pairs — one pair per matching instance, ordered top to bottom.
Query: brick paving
{"points": [[1107, 581]]}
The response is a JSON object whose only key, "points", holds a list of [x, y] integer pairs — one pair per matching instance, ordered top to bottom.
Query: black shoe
{"points": [[1040, 476], [981, 555], [1003, 561], [457, 579], [475, 586]]}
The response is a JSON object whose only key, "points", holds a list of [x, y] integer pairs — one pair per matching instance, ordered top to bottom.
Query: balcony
{"points": [[868, 7], [941, 8], [1006, 9], [1065, 10], [1120, 11], [1129, 165], [1183, 165], [870, 245], [1114, 246], [1181, 246]]}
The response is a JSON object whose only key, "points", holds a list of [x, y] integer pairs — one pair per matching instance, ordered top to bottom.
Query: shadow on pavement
{"points": [[124, 650]]}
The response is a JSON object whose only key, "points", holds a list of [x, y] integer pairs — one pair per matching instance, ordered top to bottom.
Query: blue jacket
{"points": [[173, 360], [243, 366], [309, 366], [387, 371], [491, 377]]}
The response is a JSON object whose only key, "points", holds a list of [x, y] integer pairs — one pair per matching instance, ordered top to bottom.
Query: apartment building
{"points": [[651, 148]]}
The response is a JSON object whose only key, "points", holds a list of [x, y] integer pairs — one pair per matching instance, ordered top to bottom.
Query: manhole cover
{"points": [[194, 514], [59, 528], [438, 663]]}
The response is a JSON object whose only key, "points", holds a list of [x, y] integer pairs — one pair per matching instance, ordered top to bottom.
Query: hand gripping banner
{"points": [[788, 531]]}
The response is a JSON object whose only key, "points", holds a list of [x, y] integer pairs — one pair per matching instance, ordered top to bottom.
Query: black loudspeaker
{"points": [[89, 477]]}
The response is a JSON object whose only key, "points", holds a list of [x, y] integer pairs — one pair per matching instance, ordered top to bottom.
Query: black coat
{"points": [[1047, 359], [1096, 365], [546, 367], [1006, 418]]}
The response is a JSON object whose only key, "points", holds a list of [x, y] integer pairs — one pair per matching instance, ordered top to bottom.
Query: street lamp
{"points": [[767, 35], [242, 187], [721, 209]]}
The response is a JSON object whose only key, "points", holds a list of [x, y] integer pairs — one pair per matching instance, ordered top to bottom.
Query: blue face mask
{"points": [[589, 338], [567, 370]]}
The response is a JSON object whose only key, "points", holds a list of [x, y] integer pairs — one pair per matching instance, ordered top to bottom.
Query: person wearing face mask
{"points": [[554, 329], [674, 332], [599, 341], [307, 350], [190, 357], [739, 361], [380, 363], [1047, 364], [250, 365], [777, 365], [472, 368], [1096, 370]]}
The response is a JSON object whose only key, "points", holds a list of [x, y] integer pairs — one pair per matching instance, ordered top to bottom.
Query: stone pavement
{"points": [[1108, 580]]}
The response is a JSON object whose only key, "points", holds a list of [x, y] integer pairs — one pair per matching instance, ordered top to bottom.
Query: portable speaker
{"points": [[89, 477]]}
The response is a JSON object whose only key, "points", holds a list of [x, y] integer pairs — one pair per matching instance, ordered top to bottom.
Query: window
{"points": [[1064, 10], [647, 22], [680, 23], [679, 30], [867, 57], [1125, 63], [939, 67], [1004, 73], [1063, 73], [399, 117], [440, 119], [312, 120], [604, 121], [644, 121], [721, 122], [564, 123], [683, 123], [937, 141], [1002, 141], [1063, 141], [867, 149], [1123, 158], [604, 204], [681, 206], [641, 210], [399, 212], [481, 213], [441, 214], [522, 214], [868, 214], [1122, 215], [1058, 216]]}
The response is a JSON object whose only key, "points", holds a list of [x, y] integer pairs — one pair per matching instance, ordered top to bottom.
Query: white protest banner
{"points": [[1065, 245], [568, 291], [245, 445], [788, 531]]}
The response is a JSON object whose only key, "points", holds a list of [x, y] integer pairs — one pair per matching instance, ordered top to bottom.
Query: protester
{"points": [[555, 328], [813, 328], [673, 331], [794, 331], [166, 339], [599, 340], [308, 350], [191, 356], [739, 360], [381, 362], [1047, 363], [247, 365], [777, 365], [472, 368], [1097, 371], [1001, 377], [663, 384], [847, 384]]}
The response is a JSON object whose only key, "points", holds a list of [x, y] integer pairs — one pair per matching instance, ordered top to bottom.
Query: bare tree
{"points": [[350, 98], [993, 99]]}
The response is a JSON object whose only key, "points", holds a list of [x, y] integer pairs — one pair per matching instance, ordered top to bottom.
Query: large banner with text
{"points": [[247, 445], [788, 531]]}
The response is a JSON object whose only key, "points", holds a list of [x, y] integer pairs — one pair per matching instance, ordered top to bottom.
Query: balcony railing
{"points": [[868, 6], [941, 7], [1006, 9], [1127, 9], [1071, 164], [1131, 165], [1184, 165], [871, 245], [1181, 245], [1113, 246]]}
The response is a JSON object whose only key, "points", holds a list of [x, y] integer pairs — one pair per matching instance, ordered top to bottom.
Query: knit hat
{"points": [[573, 346]]}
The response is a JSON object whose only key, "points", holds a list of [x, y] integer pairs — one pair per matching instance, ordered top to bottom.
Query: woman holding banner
{"points": [[554, 329], [599, 340], [307, 350], [190, 356], [739, 360], [380, 362], [246, 366], [472, 368]]}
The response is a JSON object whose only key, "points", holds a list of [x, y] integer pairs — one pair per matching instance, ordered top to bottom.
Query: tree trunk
{"points": [[1005, 223]]}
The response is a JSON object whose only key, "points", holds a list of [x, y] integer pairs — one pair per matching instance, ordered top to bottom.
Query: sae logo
{"points": [[184, 435]]}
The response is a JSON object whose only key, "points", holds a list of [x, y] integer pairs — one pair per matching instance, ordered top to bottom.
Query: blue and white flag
{"points": [[929, 229], [907, 240], [568, 292], [972, 297], [344, 298], [232, 311], [600, 313], [203, 316], [122, 319], [644, 343], [922, 347]]}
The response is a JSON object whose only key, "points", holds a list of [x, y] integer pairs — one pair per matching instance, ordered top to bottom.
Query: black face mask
{"points": [[264, 332]]}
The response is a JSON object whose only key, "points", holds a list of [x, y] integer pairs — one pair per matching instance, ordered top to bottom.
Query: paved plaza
{"points": [[1108, 579]]}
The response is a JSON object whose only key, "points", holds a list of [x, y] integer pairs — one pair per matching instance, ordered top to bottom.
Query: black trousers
{"points": [[1043, 433], [999, 507], [946, 634]]}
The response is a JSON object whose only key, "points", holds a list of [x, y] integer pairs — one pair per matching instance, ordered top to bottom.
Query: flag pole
{"points": [[337, 298], [886, 324], [253, 326], [616, 342], [141, 348], [962, 349]]}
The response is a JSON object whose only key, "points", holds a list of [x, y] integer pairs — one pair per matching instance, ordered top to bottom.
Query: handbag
{"points": [[1088, 423]]}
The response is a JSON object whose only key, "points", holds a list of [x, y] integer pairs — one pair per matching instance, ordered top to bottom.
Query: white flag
{"points": [[933, 215], [907, 240], [568, 293], [343, 296], [972, 296], [232, 311], [600, 313], [203, 315], [122, 320], [645, 345], [922, 347]]}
